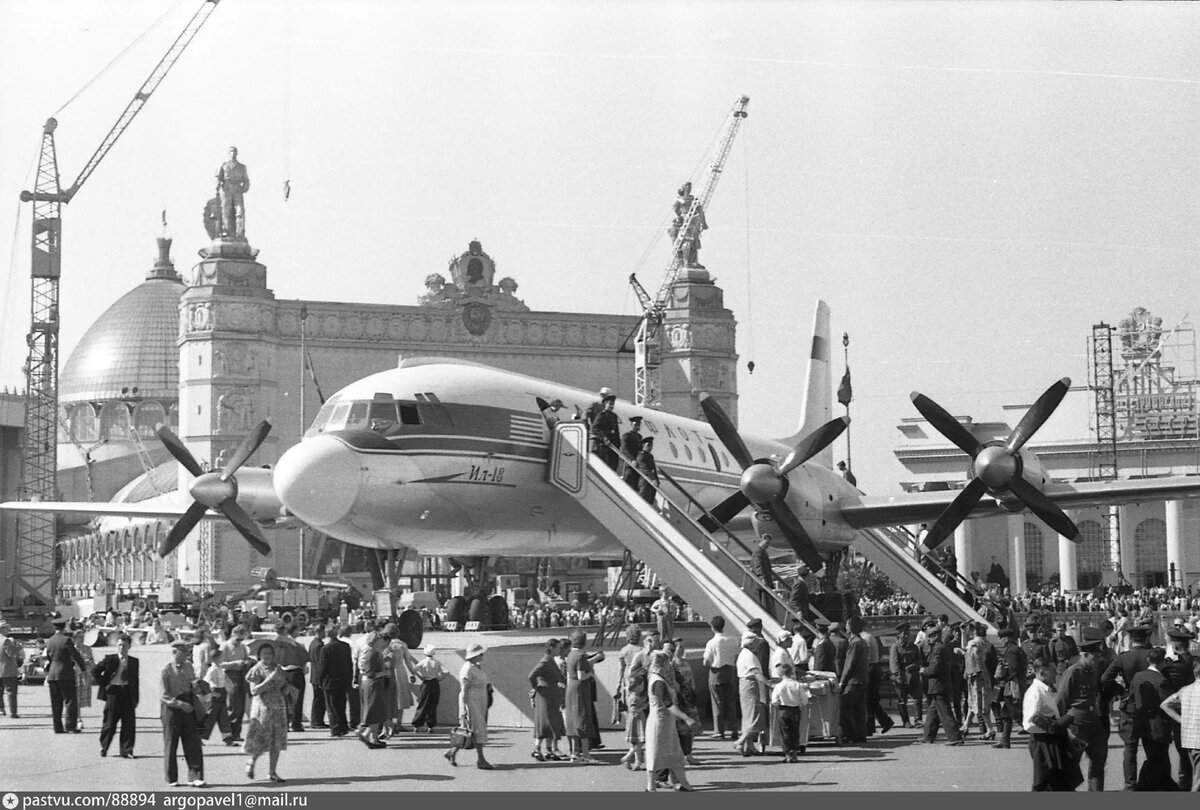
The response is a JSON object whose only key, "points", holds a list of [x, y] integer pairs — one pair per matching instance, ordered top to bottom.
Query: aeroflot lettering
{"points": [[1159, 402]]}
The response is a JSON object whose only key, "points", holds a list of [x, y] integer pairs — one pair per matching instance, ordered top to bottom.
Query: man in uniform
{"points": [[606, 429], [631, 446], [760, 563], [1034, 644], [839, 646], [1063, 650], [824, 654], [904, 662], [1178, 667], [937, 673], [60, 678], [1011, 681], [1116, 682], [1079, 697], [875, 712], [1151, 727]]}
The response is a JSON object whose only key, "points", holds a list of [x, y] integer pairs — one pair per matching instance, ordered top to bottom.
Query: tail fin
{"points": [[817, 408]]}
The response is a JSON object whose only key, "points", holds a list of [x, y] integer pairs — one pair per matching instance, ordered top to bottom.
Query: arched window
{"points": [[173, 416], [147, 417], [114, 420], [83, 423], [1150, 551], [1035, 556], [1094, 556]]}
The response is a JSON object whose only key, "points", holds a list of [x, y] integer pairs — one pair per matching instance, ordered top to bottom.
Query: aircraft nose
{"points": [[317, 480]]}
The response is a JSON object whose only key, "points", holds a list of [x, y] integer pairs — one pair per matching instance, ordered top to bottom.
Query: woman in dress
{"points": [[403, 665], [374, 674], [83, 680], [547, 681], [751, 684], [685, 688], [473, 704], [577, 706], [268, 727], [663, 751]]}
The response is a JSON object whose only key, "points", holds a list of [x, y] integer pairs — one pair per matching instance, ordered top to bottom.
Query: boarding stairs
{"points": [[894, 552], [702, 568]]}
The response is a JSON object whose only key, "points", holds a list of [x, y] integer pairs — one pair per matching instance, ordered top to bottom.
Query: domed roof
{"points": [[130, 350]]}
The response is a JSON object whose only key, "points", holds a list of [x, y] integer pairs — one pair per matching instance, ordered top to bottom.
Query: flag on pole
{"points": [[845, 393]]}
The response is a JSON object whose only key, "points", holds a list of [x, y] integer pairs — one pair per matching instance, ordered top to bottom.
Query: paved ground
{"points": [[33, 758]]}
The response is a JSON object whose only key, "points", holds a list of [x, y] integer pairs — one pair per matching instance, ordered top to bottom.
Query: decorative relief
{"points": [[199, 317], [289, 323], [331, 326], [352, 326], [375, 328], [396, 328], [418, 329], [439, 331], [515, 333], [534, 334], [574, 334], [554, 335], [611, 336], [679, 337], [237, 360], [236, 408]]}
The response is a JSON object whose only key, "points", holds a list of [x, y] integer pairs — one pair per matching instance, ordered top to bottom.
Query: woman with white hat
{"points": [[751, 686], [473, 704]]}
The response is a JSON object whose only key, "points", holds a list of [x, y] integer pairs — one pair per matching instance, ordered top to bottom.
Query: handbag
{"points": [[462, 738]]}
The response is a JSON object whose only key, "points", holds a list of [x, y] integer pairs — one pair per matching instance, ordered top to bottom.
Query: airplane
{"points": [[448, 457]]}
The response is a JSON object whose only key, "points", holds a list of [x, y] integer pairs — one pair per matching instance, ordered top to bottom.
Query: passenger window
{"points": [[653, 427], [670, 432], [683, 434], [674, 452], [688, 452], [700, 454], [716, 461]]}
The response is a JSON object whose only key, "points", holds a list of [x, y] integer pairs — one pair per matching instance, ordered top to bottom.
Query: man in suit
{"points": [[840, 645], [824, 656], [292, 657], [63, 658], [12, 660], [904, 662], [1012, 669], [1179, 670], [337, 673], [937, 675], [118, 679], [1116, 682], [852, 685], [354, 693], [317, 713], [1150, 726]]}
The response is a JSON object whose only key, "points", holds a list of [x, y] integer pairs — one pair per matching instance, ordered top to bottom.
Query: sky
{"points": [[970, 186]]}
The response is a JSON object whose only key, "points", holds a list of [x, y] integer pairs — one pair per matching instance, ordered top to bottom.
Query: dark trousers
{"points": [[296, 678], [9, 685], [908, 689], [723, 691], [354, 698], [235, 701], [427, 704], [118, 708], [335, 709], [852, 709], [64, 710], [875, 712], [940, 714], [218, 715], [316, 715], [179, 725], [789, 728], [1095, 732], [594, 740], [1129, 757], [1049, 763], [1156, 770], [1186, 771]]}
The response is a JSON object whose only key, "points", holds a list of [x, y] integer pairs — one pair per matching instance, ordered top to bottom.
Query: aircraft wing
{"points": [[924, 507], [129, 510]]}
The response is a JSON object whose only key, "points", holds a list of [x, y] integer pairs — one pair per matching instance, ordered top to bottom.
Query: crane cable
{"points": [[118, 57], [749, 274]]}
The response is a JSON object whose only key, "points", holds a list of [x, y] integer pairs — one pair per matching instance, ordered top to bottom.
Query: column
{"points": [[1128, 528], [964, 537], [1016, 554], [1176, 559], [1067, 568]]}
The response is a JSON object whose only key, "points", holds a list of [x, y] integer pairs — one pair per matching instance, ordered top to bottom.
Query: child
{"points": [[431, 672], [789, 696], [218, 709]]}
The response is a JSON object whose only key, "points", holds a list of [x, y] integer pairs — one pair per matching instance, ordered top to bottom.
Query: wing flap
{"points": [[129, 510]]}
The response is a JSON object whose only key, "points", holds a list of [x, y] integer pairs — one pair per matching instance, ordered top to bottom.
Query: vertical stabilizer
{"points": [[817, 407]]}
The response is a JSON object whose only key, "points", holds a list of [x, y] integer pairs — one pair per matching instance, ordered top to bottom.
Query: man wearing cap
{"points": [[606, 429], [631, 446], [648, 480], [1034, 644], [840, 645], [760, 647], [1062, 648], [824, 654], [292, 658], [12, 659], [235, 660], [904, 662], [1179, 668], [1012, 670], [431, 672], [337, 673], [937, 673], [60, 678], [1116, 682], [852, 685], [1079, 697], [1183, 708], [875, 711], [178, 715], [1150, 726]]}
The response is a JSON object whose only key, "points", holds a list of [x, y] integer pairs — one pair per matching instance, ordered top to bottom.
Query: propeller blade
{"points": [[1037, 415], [946, 424], [725, 431], [814, 443], [246, 448], [179, 451], [1043, 507], [725, 511], [955, 513], [245, 526], [182, 527], [795, 534]]}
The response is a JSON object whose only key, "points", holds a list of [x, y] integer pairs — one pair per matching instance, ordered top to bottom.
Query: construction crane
{"points": [[647, 343], [35, 575]]}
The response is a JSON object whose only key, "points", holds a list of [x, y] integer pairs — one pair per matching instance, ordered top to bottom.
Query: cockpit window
{"points": [[379, 414], [409, 415], [323, 416]]}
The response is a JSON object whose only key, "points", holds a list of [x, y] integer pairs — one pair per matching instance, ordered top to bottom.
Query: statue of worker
{"points": [[232, 183], [691, 245]]}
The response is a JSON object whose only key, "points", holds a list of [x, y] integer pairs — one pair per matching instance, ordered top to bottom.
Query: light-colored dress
{"points": [[400, 674], [979, 679], [83, 680], [547, 682], [472, 700], [578, 702], [268, 727], [662, 739]]}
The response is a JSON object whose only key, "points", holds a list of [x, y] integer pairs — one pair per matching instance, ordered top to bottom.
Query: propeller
{"points": [[996, 466], [764, 484], [214, 490]]}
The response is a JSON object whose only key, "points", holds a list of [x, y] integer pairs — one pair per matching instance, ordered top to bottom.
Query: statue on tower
{"points": [[232, 183], [690, 248]]}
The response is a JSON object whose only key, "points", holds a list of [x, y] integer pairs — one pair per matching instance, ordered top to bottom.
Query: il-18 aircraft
{"points": [[448, 458]]}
